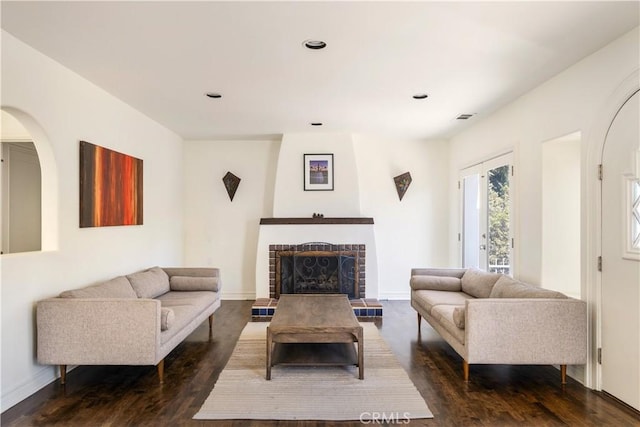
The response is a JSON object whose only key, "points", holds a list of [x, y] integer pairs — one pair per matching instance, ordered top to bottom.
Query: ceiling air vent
{"points": [[464, 116]]}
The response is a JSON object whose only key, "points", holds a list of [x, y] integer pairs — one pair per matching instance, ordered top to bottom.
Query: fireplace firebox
{"points": [[317, 268]]}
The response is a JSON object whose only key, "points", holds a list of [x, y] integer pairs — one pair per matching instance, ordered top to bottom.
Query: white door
{"points": [[486, 223], [620, 327]]}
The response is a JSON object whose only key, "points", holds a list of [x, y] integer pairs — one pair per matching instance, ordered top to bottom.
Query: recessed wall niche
{"points": [[561, 214]]}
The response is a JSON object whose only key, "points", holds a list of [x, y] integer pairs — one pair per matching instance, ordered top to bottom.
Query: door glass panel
{"points": [[635, 214], [486, 215], [498, 216], [471, 221]]}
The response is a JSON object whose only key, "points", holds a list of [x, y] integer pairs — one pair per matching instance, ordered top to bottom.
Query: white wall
{"points": [[567, 103], [63, 108], [12, 129], [290, 199], [218, 232], [413, 232]]}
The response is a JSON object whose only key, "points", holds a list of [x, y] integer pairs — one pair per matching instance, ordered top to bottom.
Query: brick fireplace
{"points": [[351, 255], [317, 268]]}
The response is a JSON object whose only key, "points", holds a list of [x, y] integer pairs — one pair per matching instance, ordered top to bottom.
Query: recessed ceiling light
{"points": [[314, 44], [213, 95], [420, 96], [316, 123]]}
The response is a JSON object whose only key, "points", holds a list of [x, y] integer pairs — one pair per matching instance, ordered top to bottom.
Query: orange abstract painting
{"points": [[110, 187]]}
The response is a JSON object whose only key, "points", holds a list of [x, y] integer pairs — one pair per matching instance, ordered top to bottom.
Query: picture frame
{"points": [[318, 172], [111, 187]]}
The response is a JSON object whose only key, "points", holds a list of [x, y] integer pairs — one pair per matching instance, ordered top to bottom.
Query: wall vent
{"points": [[464, 116]]}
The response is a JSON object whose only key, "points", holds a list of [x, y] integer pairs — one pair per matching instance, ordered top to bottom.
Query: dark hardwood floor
{"points": [[495, 396]]}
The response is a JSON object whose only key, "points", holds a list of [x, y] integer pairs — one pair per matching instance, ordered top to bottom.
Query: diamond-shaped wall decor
{"points": [[231, 183], [402, 183]]}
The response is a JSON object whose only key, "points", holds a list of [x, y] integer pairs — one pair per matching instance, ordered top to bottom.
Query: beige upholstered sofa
{"points": [[493, 319], [129, 320]]}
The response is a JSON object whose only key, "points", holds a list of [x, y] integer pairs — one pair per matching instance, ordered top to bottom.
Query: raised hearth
{"points": [[365, 309]]}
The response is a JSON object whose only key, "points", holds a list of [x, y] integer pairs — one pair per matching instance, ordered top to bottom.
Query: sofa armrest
{"points": [[194, 279], [98, 331], [526, 331]]}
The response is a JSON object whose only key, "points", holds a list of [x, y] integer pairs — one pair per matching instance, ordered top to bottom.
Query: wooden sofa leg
{"points": [[419, 323], [210, 325], [160, 367], [465, 371], [63, 374], [563, 374]]}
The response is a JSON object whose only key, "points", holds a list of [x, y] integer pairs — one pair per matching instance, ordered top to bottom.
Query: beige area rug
{"points": [[312, 393]]}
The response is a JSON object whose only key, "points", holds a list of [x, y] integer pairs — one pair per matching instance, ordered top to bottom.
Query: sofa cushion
{"points": [[150, 283], [191, 283], [436, 283], [479, 283], [118, 287], [507, 287], [427, 299], [199, 300], [186, 306], [444, 315], [458, 316], [166, 318]]}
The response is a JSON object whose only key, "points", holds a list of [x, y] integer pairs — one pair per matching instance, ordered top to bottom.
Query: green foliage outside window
{"points": [[499, 244]]}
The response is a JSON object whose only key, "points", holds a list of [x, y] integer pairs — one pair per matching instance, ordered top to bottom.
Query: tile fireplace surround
{"points": [[348, 241]]}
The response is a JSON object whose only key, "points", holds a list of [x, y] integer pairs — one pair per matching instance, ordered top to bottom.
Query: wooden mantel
{"points": [[315, 221]]}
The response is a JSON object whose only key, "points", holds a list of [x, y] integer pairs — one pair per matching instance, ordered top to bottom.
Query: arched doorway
{"points": [[24, 132], [21, 193]]}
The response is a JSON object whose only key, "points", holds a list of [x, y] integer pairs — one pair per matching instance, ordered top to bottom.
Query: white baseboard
{"points": [[238, 295], [402, 295], [44, 377]]}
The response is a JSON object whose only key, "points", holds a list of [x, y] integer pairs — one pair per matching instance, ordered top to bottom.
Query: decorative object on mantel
{"points": [[318, 172], [231, 183], [402, 183], [110, 187], [318, 215]]}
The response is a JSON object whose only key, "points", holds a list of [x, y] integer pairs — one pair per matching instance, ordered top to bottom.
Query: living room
{"points": [[189, 219]]}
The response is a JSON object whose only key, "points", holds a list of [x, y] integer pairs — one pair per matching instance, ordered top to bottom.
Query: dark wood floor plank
{"points": [[497, 395]]}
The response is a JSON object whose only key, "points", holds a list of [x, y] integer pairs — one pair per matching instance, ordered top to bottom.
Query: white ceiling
{"points": [[470, 57]]}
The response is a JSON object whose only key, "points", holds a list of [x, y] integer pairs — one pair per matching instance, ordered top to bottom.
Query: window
{"points": [[632, 211]]}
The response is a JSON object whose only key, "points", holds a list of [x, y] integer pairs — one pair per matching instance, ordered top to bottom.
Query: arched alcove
{"points": [[48, 176]]}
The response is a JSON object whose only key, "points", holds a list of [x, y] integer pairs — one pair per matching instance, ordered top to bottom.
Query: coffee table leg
{"points": [[269, 344], [360, 354]]}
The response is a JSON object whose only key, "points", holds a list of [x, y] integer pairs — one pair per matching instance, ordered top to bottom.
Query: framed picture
{"points": [[318, 172], [110, 187]]}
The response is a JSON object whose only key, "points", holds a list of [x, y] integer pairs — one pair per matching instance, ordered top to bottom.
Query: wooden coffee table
{"points": [[325, 321]]}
